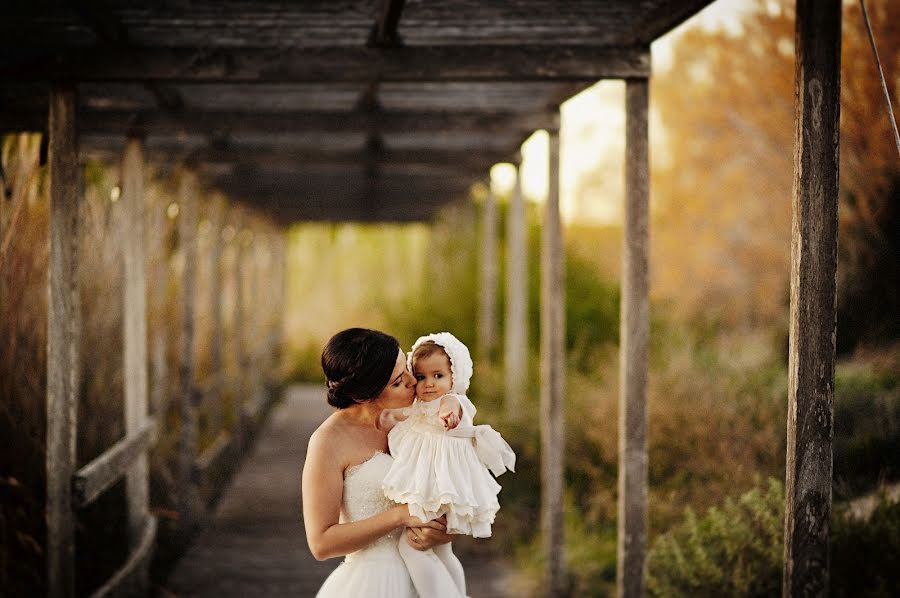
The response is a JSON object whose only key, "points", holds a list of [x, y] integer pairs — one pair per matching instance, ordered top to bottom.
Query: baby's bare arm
{"points": [[450, 411], [388, 418]]}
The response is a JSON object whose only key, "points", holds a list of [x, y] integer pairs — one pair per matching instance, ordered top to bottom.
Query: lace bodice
{"points": [[364, 497]]}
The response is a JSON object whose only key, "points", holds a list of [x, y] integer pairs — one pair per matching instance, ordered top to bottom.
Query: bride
{"points": [[344, 509]]}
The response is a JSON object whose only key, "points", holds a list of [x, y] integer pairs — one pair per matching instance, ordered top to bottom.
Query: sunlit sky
{"points": [[593, 129]]}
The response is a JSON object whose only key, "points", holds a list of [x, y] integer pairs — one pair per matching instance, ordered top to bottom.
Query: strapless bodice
{"points": [[363, 498]]}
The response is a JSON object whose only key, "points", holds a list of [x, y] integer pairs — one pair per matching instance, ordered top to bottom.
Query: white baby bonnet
{"points": [[460, 360]]}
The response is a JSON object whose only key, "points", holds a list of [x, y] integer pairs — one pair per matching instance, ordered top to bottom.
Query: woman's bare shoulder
{"points": [[328, 432], [334, 437]]}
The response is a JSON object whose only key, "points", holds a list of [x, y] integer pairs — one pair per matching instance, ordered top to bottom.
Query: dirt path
{"points": [[254, 544]]}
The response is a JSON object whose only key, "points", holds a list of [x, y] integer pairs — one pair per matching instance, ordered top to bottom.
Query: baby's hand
{"points": [[450, 418]]}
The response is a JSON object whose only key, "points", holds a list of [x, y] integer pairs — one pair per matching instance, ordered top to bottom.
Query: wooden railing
{"points": [[200, 472], [93, 479]]}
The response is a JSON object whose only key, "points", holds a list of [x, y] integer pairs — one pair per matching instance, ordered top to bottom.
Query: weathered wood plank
{"points": [[100, 18], [653, 24], [340, 64], [208, 122], [287, 158], [487, 284], [813, 313], [516, 324], [135, 328], [63, 338], [633, 347], [553, 356], [187, 445], [93, 479], [131, 579]]}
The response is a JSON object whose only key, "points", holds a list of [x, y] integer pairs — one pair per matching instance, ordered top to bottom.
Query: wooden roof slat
{"points": [[97, 15], [339, 65], [285, 106], [208, 122], [280, 158]]}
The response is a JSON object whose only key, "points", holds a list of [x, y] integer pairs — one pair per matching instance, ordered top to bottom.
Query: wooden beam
{"points": [[658, 23], [384, 32], [338, 64], [204, 122], [283, 158], [375, 208], [487, 287], [134, 301], [813, 314], [516, 320], [63, 339], [633, 347], [553, 363], [93, 479]]}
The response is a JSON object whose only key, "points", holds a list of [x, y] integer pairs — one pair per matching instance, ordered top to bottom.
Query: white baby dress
{"points": [[436, 471]]}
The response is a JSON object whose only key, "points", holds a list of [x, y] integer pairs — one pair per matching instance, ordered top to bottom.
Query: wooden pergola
{"points": [[383, 111]]}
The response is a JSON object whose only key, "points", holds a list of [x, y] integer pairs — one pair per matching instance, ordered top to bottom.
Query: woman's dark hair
{"points": [[358, 364]]}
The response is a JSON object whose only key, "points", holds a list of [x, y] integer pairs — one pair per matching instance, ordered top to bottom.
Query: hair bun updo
{"points": [[358, 363], [336, 395]]}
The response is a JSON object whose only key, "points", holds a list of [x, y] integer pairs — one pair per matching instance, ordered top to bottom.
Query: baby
{"points": [[442, 461]]}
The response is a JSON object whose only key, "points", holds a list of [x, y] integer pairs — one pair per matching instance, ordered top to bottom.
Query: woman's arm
{"points": [[323, 485]]}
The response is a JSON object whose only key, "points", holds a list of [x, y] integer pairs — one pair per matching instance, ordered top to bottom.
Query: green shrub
{"points": [[734, 550]]}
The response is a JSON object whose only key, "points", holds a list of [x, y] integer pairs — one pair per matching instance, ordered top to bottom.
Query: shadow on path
{"points": [[254, 543]]}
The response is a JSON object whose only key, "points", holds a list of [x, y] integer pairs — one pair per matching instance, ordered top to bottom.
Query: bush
{"points": [[734, 550]]}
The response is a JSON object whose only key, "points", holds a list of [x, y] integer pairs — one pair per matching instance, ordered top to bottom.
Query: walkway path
{"points": [[254, 544]]}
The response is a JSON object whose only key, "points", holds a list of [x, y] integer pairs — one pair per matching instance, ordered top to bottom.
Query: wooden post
{"points": [[217, 208], [814, 233], [157, 296], [487, 296], [281, 299], [256, 316], [516, 325], [135, 329], [63, 339], [633, 349], [553, 359], [239, 385], [187, 450]]}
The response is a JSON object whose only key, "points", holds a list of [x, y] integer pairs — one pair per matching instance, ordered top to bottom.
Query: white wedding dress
{"points": [[376, 571]]}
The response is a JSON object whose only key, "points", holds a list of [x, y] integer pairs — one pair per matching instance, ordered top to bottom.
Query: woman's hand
{"points": [[405, 519], [426, 537]]}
